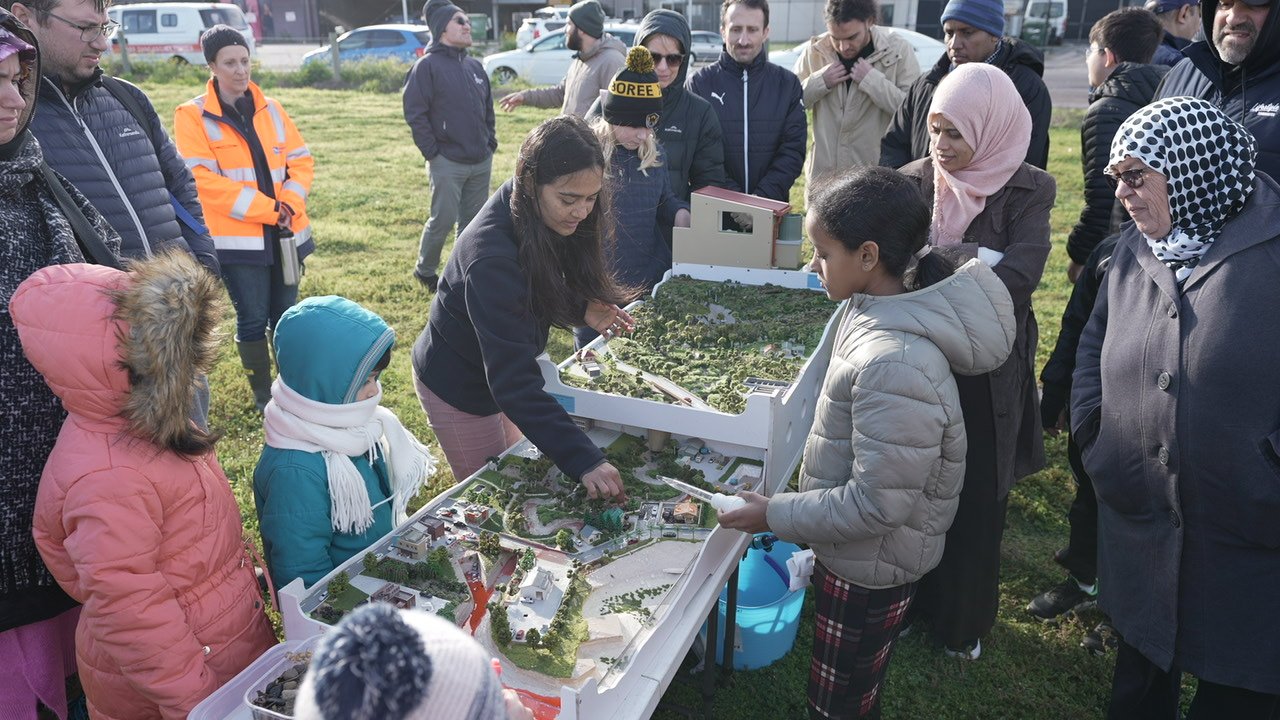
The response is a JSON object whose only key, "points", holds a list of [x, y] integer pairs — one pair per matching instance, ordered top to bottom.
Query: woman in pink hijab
{"points": [[988, 204]]}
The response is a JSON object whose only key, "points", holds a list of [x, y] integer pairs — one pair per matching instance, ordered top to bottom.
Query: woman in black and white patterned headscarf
{"points": [[1182, 168]]}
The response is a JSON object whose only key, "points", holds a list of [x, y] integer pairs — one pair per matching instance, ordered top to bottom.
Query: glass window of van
{"points": [[224, 16], [169, 20], [139, 21]]}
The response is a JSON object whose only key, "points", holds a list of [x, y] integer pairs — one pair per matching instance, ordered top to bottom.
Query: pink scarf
{"points": [[981, 101]]}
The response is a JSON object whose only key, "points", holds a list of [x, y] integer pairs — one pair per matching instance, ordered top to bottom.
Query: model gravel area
{"points": [[709, 337]]}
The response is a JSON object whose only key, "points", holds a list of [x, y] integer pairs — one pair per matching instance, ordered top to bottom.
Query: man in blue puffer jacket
{"points": [[1237, 68], [759, 105], [92, 139]]}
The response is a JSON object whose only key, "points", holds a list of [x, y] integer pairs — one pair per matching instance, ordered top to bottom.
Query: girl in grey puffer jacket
{"points": [[885, 458]]}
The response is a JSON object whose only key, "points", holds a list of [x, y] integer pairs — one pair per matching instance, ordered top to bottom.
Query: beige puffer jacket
{"points": [[884, 462]]}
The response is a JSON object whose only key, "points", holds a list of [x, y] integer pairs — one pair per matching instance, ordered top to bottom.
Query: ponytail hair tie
{"points": [[924, 251]]}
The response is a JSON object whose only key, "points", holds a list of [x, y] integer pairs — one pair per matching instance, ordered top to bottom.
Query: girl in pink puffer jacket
{"points": [[134, 517]]}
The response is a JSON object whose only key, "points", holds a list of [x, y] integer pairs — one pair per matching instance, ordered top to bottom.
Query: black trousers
{"points": [[1081, 555], [959, 598], [1142, 691]]}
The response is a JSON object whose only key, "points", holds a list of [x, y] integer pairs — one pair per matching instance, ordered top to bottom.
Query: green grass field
{"points": [[368, 205]]}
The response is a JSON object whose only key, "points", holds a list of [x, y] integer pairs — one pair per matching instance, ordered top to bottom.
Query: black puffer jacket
{"points": [[1169, 51], [1129, 88], [1248, 93], [761, 110], [689, 132], [90, 138], [907, 138], [1056, 376]]}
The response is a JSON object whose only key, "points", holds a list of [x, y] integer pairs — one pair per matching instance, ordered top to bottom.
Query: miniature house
{"points": [[716, 237], [686, 512], [476, 514], [435, 527], [414, 542], [536, 585], [395, 595]]}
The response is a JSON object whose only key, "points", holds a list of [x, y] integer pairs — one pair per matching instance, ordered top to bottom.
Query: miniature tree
{"points": [[516, 522], [564, 540], [489, 545], [439, 556], [528, 559], [370, 562], [340, 583], [500, 623], [533, 637]]}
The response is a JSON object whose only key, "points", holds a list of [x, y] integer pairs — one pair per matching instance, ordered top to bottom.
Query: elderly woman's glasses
{"points": [[89, 33], [673, 59], [1132, 178]]}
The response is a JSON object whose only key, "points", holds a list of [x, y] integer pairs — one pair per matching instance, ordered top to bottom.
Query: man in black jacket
{"points": [[1181, 21], [974, 32], [1121, 47], [1238, 70], [759, 105], [449, 106], [117, 153]]}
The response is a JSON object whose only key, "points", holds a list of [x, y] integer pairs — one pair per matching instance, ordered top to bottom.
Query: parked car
{"points": [[544, 20], [171, 31], [377, 42], [706, 46], [927, 49], [545, 61], [526, 600], [519, 635]]}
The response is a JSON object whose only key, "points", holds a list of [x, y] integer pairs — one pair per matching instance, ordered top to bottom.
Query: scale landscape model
{"points": [[591, 605]]}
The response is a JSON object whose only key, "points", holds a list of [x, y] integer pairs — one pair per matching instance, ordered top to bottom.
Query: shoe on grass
{"points": [[427, 281], [1063, 598], [1101, 639], [968, 652]]}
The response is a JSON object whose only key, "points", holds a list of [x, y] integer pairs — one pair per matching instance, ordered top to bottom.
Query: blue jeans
{"points": [[260, 297]]}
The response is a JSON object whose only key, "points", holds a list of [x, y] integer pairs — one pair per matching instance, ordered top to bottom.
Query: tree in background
{"points": [[564, 540], [528, 559], [340, 583], [500, 623]]}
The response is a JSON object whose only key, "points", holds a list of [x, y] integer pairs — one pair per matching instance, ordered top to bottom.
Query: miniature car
{"points": [[526, 601]]}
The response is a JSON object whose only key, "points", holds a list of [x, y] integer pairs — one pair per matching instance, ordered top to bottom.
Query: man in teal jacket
{"points": [[337, 469]]}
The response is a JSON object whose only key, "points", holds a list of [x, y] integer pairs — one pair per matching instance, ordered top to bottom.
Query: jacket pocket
{"points": [[1118, 480]]}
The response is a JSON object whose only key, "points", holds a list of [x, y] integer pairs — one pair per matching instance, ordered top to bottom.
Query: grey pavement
{"points": [[1065, 75]]}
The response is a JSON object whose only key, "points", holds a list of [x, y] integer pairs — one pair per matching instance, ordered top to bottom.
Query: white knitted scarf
{"points": [[338, 432]]}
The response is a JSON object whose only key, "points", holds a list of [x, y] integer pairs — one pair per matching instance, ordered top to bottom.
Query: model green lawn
{"points": [[368, 204]]}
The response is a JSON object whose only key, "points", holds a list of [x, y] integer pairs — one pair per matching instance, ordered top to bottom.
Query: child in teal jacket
{"points": [[337, 469]]}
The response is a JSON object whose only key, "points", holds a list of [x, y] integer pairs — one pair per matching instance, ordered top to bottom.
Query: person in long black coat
{"points": [[1176, 408]]}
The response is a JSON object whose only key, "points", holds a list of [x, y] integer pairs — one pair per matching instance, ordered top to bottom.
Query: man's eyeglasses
{"points": [[462, 20], [89, 33], [673, 59], [1133, 178]]}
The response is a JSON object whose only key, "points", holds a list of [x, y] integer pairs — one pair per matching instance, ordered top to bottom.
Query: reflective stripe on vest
{"points": [[277, 120], [211, 128], [299, 153], [193, 163], [296, 187], [245, 199], [238, 242]]}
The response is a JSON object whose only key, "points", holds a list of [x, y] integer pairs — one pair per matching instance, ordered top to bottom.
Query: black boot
{"points": [[256, 359]]}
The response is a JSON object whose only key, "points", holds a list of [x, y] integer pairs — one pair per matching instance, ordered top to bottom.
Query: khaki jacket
{"points": [[589, 73], [850, 118], [885, 459]]}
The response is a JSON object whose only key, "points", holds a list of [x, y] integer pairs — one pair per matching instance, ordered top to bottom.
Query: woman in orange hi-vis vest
{"points": [[253, 172]]}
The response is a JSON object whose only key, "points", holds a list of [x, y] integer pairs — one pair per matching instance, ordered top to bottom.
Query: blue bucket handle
{"points": [[765, 541]]}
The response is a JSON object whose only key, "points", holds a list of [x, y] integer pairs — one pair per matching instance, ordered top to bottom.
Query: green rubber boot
{"points": [[256, 359]]}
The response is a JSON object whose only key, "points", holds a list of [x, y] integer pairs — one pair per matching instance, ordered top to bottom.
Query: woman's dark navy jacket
{"points": [[480, 347]]}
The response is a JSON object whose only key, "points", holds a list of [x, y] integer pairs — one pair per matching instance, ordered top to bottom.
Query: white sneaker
{"points": [[967, 653]]}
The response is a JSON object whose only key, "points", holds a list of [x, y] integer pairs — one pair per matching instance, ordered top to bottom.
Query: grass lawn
{"points": [[368, 204], [348, 599]]}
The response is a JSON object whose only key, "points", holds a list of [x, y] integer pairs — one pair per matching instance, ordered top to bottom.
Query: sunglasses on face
{"points": [[462, 20], [673, 59], [1132, 178]]}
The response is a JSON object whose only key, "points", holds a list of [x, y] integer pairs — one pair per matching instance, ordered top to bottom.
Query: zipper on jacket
{"points": [[746, 162], [146, 244]]}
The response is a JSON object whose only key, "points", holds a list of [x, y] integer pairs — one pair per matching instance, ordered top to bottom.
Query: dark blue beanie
{"points": [[986, 15]]}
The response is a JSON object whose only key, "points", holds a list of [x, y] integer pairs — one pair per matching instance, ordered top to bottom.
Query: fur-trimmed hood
{"points": [[122, 350]]}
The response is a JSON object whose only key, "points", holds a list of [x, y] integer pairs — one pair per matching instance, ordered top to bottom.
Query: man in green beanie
{"points": [[599, 57]]}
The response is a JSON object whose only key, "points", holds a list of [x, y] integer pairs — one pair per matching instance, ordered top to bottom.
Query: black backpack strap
{"points": [[87, 236]]}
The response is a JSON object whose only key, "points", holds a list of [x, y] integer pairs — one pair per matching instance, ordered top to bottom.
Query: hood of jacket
{"points": [[668, 22], [607, 42], [1011, 52], [1264, 56], [1132, 82], [30, 84], [968, 316], [327, 346], [132, 347]]}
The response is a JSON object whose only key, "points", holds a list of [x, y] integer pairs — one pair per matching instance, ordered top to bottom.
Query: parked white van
{"points": [[171, 31]]}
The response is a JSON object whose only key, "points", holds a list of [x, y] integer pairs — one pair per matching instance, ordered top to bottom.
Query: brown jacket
{"points": [[589, 73], [850, 118], [1015, 222]]}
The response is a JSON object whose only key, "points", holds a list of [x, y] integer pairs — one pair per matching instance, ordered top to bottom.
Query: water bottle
{"points": [[289, 264]]}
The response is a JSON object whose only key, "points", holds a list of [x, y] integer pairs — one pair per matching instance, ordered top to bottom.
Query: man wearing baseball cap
{"points": [[1181, 21], [600, 56], [1237, 68]]}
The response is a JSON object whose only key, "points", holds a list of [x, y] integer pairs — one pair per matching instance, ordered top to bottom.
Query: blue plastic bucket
{"points": [[768, 611]]}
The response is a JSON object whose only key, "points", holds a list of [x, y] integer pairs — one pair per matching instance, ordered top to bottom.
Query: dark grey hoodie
{"points": [[449, 105], [692, 144]]}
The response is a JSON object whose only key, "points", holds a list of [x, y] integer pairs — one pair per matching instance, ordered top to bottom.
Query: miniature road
{"points": [[665, 386]]}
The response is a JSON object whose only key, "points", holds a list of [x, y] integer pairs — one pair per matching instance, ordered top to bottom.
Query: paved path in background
{"points": [[1066, 77]]}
